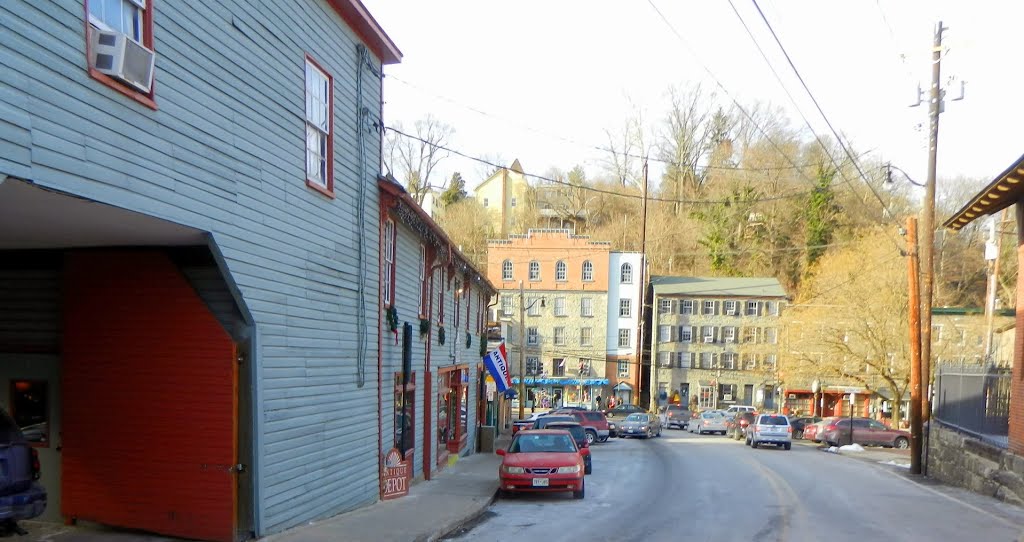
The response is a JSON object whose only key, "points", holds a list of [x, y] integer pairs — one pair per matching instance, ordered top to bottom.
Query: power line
{"points": [[839, 140], [588, 145], [595, 189]]}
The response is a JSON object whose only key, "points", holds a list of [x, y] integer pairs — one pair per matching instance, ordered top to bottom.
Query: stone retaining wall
{"points": [[964, 461]]}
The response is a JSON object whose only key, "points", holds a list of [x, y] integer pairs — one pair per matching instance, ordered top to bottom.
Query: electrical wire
{"points": [[814, 100], [588, 145], [592, 188]]}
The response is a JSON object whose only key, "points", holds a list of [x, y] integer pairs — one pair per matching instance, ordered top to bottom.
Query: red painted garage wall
{"points": [[149, 388]]}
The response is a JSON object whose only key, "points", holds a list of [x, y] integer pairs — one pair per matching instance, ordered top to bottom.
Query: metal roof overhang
{"points": [[1004, 191]]}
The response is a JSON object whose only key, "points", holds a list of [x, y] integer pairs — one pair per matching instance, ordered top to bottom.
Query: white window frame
{"points": [[137, 32], [319, 95], [486, 202], [513, 203], [389, 261], [506, 270], [534, 271], [561, 271], [588, 271], [626, 273], [422, 281], [506, 305], [533, 306], [664, 306], [686, 306], [560, 307], [587, 307], [708, 307], [773, 307], [625, 308], [731, 308], [753, 308], [664, 334], [686, 334], [708, 334], [729, 334], [558, 335], [749, 335], [771, 335], [532, 336], [586, 336], [625, 338], [664, 360], [684, 360], [707, 360], [728, 361], [750, 362], [770, 362], [533, 366], [623, 368]]}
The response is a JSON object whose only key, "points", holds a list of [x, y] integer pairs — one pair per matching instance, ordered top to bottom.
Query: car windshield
{"points": [[709, 415], [636, 418], [774, 420], [543, 422], [576, 431], [525, 443]]}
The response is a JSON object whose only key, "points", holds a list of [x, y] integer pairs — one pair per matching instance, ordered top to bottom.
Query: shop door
{"points": [[149, 410]]}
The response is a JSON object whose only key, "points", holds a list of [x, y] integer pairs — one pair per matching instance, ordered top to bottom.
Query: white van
{"points": [[739, 408]]}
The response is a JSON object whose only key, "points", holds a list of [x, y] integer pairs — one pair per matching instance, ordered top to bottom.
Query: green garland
{"points": [[392, 317], [424, 326], [440, 335], [469, 339], [483, 346]]}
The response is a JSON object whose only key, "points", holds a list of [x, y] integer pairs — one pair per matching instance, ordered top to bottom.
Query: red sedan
{"points": [[542, 460]]}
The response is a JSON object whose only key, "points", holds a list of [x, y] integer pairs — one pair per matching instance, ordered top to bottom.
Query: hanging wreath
{"points": [[392, 318], [424, 327], [440, 335], [469, 339]]}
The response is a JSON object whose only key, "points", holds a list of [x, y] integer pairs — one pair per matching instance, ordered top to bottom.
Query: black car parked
{"points": [[798, 424], [737, 426]]}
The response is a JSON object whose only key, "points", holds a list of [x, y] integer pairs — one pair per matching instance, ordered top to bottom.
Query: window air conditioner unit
{"points": [[117, 55], [709, 339], [727, 397]]}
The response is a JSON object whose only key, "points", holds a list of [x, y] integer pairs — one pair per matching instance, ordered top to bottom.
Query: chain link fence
{"points": [[974, 399]]}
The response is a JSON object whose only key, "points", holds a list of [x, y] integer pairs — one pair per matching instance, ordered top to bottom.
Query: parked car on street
{"points": [[739, 408], [621, 411], [677, 416], [543, 421], [710, 421], [527, 422], [595, 423], [799, 423], [640, 424], [737, 426], [771, 429], [814, 431], [866, 432], [579, 434], [542, 460], [21, 495]]}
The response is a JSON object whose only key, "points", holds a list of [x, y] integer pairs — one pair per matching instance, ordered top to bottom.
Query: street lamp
{"points": [[815, 388]]}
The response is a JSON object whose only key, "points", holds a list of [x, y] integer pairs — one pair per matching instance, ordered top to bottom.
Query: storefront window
{"points": [[29, 399], [464, 405], [405, 414]]}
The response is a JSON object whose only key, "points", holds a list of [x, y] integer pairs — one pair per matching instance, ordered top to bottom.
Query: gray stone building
{"points": [[715, 341]]}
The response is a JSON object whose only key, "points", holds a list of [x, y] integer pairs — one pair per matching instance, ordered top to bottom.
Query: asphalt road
{"points": [[690, 487]]}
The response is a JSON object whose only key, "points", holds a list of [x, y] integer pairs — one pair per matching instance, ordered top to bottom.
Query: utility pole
{"points": [[928, 219], [643, 299], [522, 353], [916, 425]]}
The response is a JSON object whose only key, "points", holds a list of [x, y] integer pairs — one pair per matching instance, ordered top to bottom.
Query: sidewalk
{"points": [[432, 509]]}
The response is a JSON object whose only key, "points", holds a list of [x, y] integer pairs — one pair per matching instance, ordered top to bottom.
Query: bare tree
{"points": [[627, 148], [412, 159]]}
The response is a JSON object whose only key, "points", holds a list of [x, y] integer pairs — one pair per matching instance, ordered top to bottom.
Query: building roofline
{"points": [[359, 19], [1001, 193]]}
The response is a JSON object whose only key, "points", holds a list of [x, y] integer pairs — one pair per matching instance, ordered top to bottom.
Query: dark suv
{"points": [[595, 423], [737, 426], [580, 436], [21, 495]]}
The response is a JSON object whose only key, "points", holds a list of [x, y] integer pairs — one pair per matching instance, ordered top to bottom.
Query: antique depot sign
{"points": [[394, 479]]}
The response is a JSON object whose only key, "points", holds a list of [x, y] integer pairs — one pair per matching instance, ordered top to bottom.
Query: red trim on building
{"points": [[366, 27], [147, 99], [329, 190]]}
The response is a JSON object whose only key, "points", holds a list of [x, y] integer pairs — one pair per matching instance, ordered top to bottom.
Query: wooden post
{"points": [[914, 300]]}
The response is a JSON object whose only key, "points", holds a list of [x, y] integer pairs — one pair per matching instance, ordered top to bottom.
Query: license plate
{"points": [[540, 482]]}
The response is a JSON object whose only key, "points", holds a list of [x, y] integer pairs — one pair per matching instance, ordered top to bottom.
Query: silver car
{"points": [[711, 421], [640, 425], [771, 429]]}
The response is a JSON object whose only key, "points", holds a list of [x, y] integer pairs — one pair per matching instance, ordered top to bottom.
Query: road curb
{"points": [[473, 514]]}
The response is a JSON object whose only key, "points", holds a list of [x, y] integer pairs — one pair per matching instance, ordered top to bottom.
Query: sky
{"points": [[544, 80]]}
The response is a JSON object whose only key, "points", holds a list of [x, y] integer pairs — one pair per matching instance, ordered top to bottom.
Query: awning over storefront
{"points": [[563, 381], [622, 386]]}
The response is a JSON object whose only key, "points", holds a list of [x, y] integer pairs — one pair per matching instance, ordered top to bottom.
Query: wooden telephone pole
{"points": [[914, 300]]}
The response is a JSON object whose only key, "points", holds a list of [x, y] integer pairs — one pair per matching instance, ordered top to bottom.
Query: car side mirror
{"points": [[500, 451]]}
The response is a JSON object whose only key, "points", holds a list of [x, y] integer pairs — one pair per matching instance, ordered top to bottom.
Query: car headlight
{"points": [[611, 426], [643, 428], [512, 470], [569, 470]]}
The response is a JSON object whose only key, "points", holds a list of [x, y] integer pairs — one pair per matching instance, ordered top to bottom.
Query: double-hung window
{"points": [[125, 16], [133, 19], [319, 133], [506, 270], [534, 270], [588, 271], [560, 272], [388, 273], [626, 274], [424, 284], [506, 305], [533, 306], [560, 306], [586, 306], [664, 306], [686, 306], [709, 307], [625, 308], [731, 308], [753, 308], [664, 334], [709, 334], [729, 334], [559, 336], [586, 336], [532, 337], [625, 338], [707, 360], [729, 360], [532, 365], [623, 368]]}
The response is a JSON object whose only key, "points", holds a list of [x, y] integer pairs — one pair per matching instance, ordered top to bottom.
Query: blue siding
{"points": [[225, 153]]}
